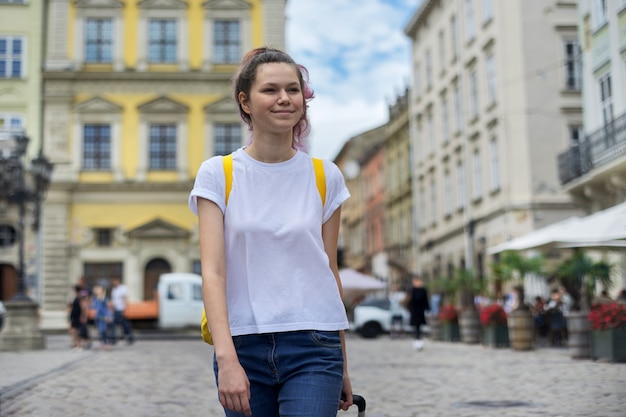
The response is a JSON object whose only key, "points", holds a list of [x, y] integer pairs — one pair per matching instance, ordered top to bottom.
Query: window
{"points": [[487, 10], [599, 13], [470, 28], [454, 36], [99, 40], [162, 41], [227, 48], [442, 50], [12, 56], [572, 64], [490, 65], [429, 69], [418, 80], [473, 95], [606, 99], [458, 110], [445, 119], [11, 123], [431, 131], [575, 135], [227, 138], [162, 144], [96, 147], [495, 164], [477, 170], [460, 181], [433, 201], [447, 201], [422, 215], [8, 235], [104, 237], [101, 273]]}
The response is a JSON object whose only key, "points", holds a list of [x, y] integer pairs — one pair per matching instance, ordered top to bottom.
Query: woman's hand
{"points": [[234, 387], [346, 394]]}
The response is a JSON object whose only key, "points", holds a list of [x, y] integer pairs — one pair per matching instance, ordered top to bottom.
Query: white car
{"points": [[375, 316]]}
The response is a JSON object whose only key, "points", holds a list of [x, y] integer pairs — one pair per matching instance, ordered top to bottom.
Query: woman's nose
{"points": [[283, 97]]}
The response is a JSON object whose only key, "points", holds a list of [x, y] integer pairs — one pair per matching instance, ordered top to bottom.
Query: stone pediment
{"points": [[98, 4], [162, 4], [227, 4], [11, 96], [97, 105], [163, 105], [224, 105], [158, 229]]}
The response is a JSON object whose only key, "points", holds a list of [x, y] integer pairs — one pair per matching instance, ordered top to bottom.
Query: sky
{"points": [[358, 59]]}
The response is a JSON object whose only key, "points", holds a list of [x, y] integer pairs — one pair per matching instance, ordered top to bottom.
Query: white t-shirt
{"points": [[278, 274], [118, 297]]}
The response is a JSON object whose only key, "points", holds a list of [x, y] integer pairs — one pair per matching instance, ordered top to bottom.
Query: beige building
{"points": [[21, 24], [137, 95], [495, 97]]}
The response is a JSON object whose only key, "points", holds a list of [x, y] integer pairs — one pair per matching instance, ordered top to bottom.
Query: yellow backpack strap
{"points": [[228, 175], [320, 178]]}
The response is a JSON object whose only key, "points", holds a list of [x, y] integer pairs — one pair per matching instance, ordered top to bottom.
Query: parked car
{"points": [[375, 316]]}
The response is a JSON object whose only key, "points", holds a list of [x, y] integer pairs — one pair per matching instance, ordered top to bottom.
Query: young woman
{"points": [[271, 284]]}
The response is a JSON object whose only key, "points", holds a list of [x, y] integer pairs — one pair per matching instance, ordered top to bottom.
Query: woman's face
{"points": [[275, 103]]}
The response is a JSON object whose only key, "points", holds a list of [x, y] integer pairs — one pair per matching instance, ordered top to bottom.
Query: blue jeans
{"points": [[119, 319], [292, 373]]}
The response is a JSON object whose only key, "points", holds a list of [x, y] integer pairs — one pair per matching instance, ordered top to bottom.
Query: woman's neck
{"points": [[271, 151]]}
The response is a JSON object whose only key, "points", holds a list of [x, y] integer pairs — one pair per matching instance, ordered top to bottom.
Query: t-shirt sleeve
{"points": [[209, 184], [336, 191]]}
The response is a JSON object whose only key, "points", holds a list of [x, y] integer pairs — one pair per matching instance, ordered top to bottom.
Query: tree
{"points": [[513, 267], [579, 275]]}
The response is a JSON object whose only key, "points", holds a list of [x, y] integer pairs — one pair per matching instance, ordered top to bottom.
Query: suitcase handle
{"points": [[358, 401]]}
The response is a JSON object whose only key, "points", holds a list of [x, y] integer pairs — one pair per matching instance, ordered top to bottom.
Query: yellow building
{"points": [[137, 94]]}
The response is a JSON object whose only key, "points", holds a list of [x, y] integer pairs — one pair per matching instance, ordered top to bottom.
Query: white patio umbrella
{"points": [[603, 228], [544, 236], [356, 284]]}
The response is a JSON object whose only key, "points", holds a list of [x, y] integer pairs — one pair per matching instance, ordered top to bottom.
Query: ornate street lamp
{"points": [[21, 185]]}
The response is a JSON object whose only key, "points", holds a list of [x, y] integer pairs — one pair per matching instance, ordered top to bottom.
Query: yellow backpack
{"points": [[320, 180]]}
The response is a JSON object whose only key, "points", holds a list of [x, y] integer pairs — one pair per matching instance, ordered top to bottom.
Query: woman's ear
{"points": [[243, 102]]}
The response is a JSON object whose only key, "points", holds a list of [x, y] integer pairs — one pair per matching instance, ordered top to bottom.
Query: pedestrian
{"points": [[271, 284], [119, 298], [418, 304], [103, 316], [75, 318]]}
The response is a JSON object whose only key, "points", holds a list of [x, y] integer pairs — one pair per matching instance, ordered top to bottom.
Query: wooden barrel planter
{"points": [[470, 327], [521, 330], [579, 334]]}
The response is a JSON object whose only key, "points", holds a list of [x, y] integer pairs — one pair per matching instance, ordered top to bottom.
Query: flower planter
{"points": [[521, 330], [450, 332], [496, 336], [609, 344]]}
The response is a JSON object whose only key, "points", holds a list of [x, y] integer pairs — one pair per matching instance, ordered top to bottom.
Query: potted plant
{"points": [[514, 267], [579, 275], [468, 285], [449, 319], [494, 321], [608, 334]]}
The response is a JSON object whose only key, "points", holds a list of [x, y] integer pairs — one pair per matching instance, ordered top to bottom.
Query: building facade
{"points": [[21, 24], [137, 94], [495, 96], [593, 167]]}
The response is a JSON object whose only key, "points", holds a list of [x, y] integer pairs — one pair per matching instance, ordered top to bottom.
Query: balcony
{"points": [[598, 149]]}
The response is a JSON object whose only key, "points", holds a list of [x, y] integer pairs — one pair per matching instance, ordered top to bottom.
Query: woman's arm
{"points": [[330, 236], [234, 387]]}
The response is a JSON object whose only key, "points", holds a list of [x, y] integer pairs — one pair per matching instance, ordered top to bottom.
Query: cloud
{"points": [[358, 59]]}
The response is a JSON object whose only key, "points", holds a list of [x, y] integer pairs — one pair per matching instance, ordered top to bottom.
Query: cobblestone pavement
{"points": [[174, 377]]}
